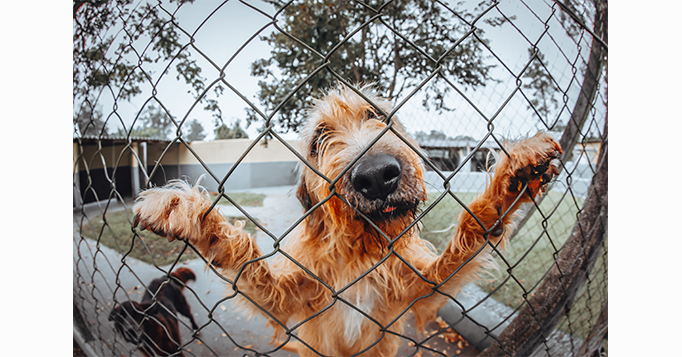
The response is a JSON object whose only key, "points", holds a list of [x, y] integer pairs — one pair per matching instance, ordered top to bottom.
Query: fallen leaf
{"points": [[223, 307], [451, 337], [248, 347]]}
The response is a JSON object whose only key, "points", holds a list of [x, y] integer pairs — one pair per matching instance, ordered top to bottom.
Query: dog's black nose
{"points": [[376, 176]]}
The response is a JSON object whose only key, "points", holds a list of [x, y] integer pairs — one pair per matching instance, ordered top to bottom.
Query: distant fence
{"points": [[550, 297]]}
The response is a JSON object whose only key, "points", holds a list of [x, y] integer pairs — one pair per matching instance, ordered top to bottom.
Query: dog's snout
{"points": [[376, 176]]}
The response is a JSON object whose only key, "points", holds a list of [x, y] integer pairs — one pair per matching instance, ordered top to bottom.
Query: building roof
{"points": [[116, 139], [455, 143]]}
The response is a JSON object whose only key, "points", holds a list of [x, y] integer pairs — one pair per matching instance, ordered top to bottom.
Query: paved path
{"points": [[279, 212]]}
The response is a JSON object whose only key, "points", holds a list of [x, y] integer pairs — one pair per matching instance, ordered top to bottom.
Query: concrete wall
{"points": [[223, 151], [262, 166], [245, 175]]}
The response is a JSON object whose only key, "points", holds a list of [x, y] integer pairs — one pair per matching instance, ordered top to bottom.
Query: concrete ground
{"points": [[99, 274]]}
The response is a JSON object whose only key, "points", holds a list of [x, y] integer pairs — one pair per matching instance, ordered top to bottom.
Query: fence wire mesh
{"points": [[150, 78]]}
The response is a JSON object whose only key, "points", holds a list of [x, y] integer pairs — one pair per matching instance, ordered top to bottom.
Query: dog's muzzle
{"points": [[376, 176]]}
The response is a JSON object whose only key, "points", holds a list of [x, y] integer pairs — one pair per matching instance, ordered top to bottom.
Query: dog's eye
{"points": [[371, 114], [315, 144]]}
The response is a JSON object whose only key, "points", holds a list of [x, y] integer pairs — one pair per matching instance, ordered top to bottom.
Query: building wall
{"points": [[223, 151], [262, 166], [98, 168]]}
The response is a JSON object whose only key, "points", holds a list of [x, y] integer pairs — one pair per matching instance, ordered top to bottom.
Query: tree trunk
{"points": [[584, 103]]}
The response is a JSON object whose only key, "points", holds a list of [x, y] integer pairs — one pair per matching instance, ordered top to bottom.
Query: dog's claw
{"points": [[535, 170], [536, 178], [136, 220]]}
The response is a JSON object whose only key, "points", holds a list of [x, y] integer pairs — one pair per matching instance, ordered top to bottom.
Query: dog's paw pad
{"points": [[532, 164], [535, 177]]}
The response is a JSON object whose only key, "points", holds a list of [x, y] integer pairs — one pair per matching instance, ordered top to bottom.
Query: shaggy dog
{"points": [[355, 264], [153, 323]]}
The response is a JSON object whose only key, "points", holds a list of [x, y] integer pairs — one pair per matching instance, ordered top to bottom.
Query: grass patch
{"points": [[243, 199], [443, 216], [117, 234], [531, 252], [529, 256]]}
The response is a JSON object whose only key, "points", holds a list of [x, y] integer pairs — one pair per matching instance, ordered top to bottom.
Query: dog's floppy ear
{"points": [[303, 195]]}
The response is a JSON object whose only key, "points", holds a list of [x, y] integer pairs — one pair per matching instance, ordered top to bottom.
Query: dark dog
{"points": [[153, 323]]}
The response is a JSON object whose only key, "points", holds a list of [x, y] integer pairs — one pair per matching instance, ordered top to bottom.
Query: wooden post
{"points": [[143, 157]]}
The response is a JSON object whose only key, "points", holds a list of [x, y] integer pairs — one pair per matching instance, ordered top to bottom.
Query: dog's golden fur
{"points": [[338, 245]]}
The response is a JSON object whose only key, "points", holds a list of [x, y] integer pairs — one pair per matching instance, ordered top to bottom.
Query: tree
{"points": [[395, 48], [105, 58], [542, 85], [89, 122], [154, 122], [196, 131], [222, 131], [422, 136]]}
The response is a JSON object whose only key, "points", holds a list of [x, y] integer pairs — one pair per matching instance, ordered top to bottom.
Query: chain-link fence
{"points": [[184, 89]]}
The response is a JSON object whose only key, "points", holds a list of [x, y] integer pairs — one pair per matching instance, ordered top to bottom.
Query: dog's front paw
{"points": [[530, 163], [174, 211]]}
